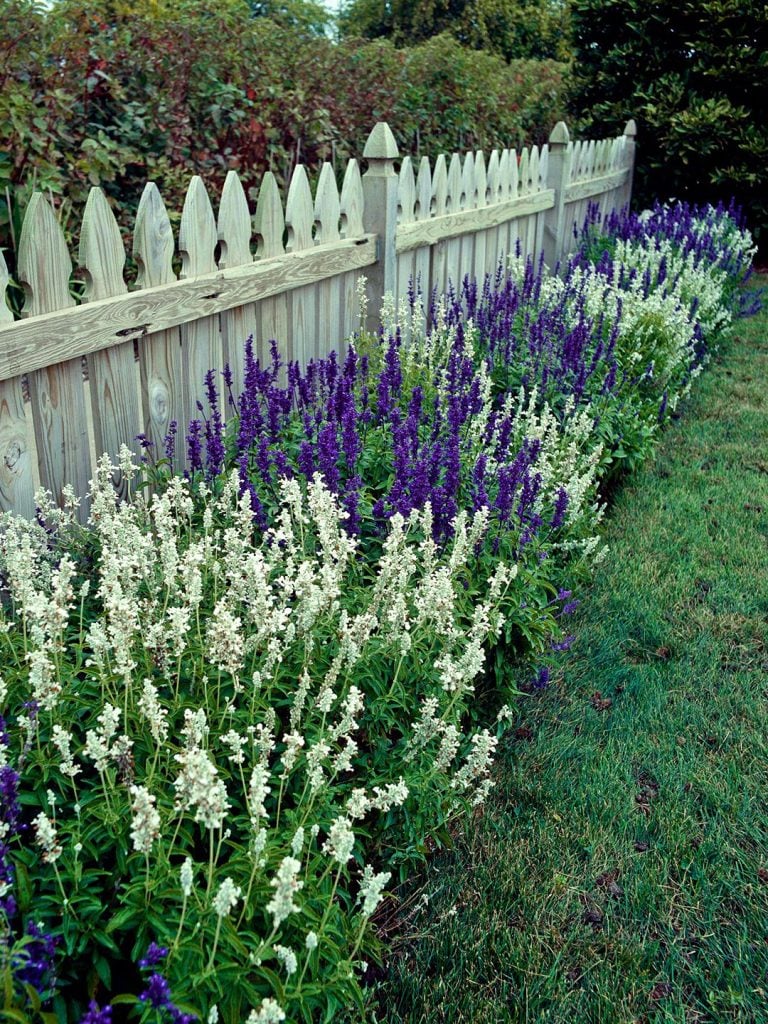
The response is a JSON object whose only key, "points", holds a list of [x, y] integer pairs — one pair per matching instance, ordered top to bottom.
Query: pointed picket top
{"points": [[630, 129], [381, 144], [544, 166], [590, 169], [533, 170], [514, 174], [504, 176], [481, 179], [524, 180], [468, 183], [494, 183], [439, 187], [406, 192], [455, 193], [351, 205], [327, 207], [423, 209], [299, 212], [270, 220], [233, 227], [197, 232], [153, 240], [101, 254], [44, 264], [6, 316]]}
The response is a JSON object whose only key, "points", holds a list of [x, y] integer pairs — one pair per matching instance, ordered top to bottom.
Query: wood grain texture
{"points": [[595, 186], [455, 204], [438, 207], [406, 214], [327, 216], [299, 220], [351, 226], [233, 228], [270, 228], [411, 236], [422, 259], [140, 314], [201, 345], [160, 361], [113, 374], [56, 392], [17, 482]]}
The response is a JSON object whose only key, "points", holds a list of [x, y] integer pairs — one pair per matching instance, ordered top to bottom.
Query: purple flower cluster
{"points": [[157, 991]]}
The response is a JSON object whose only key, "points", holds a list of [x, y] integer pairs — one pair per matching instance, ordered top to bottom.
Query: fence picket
{"points": [[469, 191], [406, 202], [454, 205], [351, 210], [423, 212], [327, 214], [299, 219], [270, 228], [234, 233], [201, 347], [160, 361], [113, 378], [57, 393], [17, 478]]}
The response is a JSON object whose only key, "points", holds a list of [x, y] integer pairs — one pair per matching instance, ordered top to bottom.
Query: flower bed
{"points": [[239, 706]]}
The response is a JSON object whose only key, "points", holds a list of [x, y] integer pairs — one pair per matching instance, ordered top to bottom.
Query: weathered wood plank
{"points": [[595, 187], [438, 207], [351, 208], [327, 214], [406, 214], [423, 215], [299, 220], [270, 227], [234, 233], [411, 236], [454, 271], [27, 346], [201, 348], [160, 361], [113, 374], [56, 392], [17, 478]]}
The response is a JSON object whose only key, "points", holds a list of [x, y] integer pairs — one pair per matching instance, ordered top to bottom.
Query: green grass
{"points": [[620, 872]]}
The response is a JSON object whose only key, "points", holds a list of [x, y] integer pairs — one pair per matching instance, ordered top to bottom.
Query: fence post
{"points": [[630, 134], [558, 172], [380, 215]]}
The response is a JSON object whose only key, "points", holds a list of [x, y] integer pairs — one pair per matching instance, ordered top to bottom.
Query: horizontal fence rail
{"points": [[79, 378]]}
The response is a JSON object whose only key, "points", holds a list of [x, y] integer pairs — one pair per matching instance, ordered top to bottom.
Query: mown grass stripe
{"points": [[620, 873]]}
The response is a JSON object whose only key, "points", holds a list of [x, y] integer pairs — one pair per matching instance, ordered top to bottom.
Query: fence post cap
{"points": [[631, 128], [559, 134], [381, 144]]}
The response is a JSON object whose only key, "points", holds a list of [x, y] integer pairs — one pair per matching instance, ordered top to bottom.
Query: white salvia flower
{"points": [[225, 639], [153, 712], [62, 740], [97, 740], [235, 742], [449, 746], [315, 757], [198, 786], [258, 791], [394, 794], [358, 804], [145, 826], [45, 837], [341, 840], [297, 843], [257, 845], [186, 877], [286, 885], [371, 889], [226, 898], [311, 940], [287, 958], [270, 1012], [213, 1015]]}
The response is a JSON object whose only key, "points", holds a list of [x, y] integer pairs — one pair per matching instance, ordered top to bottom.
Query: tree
{"points": [[511, 28], [694, 76]]}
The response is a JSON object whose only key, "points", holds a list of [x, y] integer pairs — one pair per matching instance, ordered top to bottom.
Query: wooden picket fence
{"points": [[80, 379]]}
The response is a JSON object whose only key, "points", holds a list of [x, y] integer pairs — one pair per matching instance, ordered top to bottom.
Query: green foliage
{"points": [[513, 29], [694, 75], [115, 94]]}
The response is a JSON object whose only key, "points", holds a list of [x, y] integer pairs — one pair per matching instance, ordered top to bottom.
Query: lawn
{"points": [[620, 873]]}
